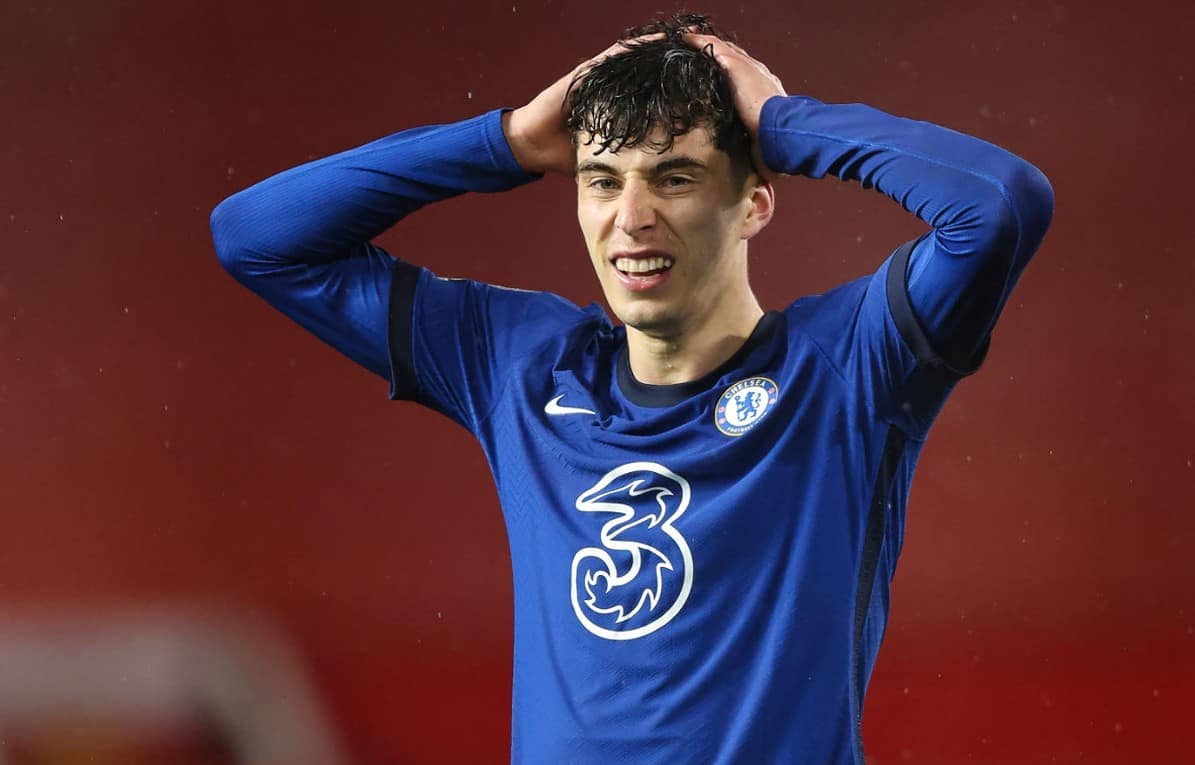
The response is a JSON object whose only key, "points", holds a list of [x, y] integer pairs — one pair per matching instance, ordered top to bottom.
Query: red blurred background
{"points": [[166, 438]]}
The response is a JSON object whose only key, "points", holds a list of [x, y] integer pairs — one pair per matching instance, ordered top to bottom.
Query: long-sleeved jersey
{"points": [[701, 571]]}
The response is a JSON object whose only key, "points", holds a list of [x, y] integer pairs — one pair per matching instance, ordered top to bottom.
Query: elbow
{"points": [[1030, 200], [1011, 211], [228, 223]]}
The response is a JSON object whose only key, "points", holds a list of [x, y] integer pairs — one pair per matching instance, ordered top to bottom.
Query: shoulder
{"points": [[430, 286], [484, 310], [826, 318], [512, 321], [849, 322]]}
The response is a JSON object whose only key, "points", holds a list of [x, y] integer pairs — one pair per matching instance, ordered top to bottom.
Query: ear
{"points": [[761, 205]]}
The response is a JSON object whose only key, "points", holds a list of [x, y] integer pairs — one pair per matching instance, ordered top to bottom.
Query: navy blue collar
{"points": [[643, 394]]}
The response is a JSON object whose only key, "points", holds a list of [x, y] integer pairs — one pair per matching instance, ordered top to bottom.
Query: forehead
{"points": [[696, 144]]}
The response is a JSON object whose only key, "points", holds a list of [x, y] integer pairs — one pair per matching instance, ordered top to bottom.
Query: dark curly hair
{"points": [[656, 91]]}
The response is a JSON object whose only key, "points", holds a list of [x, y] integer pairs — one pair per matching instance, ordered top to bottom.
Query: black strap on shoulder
{"points": [[403, 383]]}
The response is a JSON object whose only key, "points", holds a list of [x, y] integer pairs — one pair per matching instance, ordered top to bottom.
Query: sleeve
{"points": [[988, 211], [301, 239], [868, 333], [460, 342], [893, 358]]}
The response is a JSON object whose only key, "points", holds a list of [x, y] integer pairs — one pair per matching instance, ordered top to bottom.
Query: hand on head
{"points": [[751, 82], [539, 134]]}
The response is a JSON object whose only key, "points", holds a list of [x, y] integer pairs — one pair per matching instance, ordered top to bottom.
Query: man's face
{"points": [[665, 231]]}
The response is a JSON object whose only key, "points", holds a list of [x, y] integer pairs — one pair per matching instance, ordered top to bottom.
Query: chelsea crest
{"points": [[744, 404]]}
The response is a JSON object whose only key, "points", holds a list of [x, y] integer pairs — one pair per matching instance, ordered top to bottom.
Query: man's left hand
{"points": [[751, 84]]}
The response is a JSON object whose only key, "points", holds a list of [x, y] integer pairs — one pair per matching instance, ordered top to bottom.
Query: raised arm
{"points": [[988, 208], [301, 239]]}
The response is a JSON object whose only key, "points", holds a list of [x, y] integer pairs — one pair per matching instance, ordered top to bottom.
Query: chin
{"points": [[649, 319]]}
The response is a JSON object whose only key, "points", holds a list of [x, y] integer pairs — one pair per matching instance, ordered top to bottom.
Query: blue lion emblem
{"points": [[747, 404]]}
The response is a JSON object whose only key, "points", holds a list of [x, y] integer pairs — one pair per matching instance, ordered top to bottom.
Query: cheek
{"points": [[589, 220], [590, 232], [707, 233]]}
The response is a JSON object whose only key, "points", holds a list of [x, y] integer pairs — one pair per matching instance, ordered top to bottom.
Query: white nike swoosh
{"points": [[554, 407]]}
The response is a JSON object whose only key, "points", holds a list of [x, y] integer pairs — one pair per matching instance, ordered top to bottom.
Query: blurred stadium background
{"points": [[221, 544]]}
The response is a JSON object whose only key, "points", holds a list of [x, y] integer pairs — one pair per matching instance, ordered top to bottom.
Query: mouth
{"points": [[640, 271]]}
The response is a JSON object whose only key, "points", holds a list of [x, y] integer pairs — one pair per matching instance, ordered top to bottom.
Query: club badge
{"points": [[744, 404]]}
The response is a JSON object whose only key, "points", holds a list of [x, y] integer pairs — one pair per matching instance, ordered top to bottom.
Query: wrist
{"points": [[516, 137], [539, 148]]}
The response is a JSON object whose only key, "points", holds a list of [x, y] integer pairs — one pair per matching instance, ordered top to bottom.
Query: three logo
{"points": [[640, 577]]}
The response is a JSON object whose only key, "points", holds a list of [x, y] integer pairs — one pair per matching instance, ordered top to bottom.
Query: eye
{"points": [[676, 181], [602, 184]]}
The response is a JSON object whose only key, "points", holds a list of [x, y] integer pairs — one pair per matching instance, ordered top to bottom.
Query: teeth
{"points": [[641, 265]]}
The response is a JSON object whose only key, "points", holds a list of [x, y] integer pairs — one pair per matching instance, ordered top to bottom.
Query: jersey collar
{"points": [[644, 394]]}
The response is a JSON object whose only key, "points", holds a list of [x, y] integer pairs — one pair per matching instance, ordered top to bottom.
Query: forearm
{"points": [[971, 192], [988, 208], [323, 209], [301, 239]]}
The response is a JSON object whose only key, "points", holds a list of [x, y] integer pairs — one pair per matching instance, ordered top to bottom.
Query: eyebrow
{"points": [[682, 162]]}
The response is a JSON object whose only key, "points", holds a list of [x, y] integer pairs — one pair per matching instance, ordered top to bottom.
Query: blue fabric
{"points": [[988, 209], [301, 238], [681, 594], [756, 665]]}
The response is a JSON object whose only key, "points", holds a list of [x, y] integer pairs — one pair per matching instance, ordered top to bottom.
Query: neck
{"points": [[694, 352]]}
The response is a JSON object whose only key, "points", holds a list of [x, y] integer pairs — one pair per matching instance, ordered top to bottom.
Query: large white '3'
{"points": [[639, 578]]}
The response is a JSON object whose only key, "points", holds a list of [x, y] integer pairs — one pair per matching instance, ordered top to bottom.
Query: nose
{"points": [[636, 209]]}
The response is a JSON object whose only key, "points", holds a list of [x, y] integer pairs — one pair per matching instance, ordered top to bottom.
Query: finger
{"points": [[642, 38], [699, 41], [620, 46], [723, 50], [738, 53], [590, 63], [579, 71]]}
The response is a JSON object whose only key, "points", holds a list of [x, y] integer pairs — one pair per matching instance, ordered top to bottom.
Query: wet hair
{"points": [[657, 91]]}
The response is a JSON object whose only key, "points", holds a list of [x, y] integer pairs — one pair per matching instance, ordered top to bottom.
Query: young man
{"points": [[705, 505]]}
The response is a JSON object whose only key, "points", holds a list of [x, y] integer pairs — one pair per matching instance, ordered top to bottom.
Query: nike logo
{"points": [[554, 407]]}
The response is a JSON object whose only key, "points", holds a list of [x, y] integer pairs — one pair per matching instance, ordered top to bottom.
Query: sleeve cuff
{"points": [[772, 148], [500, 151]]}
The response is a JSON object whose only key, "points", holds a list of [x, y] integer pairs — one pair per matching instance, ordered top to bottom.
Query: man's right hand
{"points": [[537, 132]]}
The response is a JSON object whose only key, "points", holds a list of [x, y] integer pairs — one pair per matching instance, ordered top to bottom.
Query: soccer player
{"points": [[705, 503]]}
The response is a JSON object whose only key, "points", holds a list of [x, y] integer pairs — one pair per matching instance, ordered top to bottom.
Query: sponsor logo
{"points": [[639, 578]]}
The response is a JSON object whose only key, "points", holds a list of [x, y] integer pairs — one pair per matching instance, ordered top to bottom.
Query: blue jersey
{"points": [[701, 570]]}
